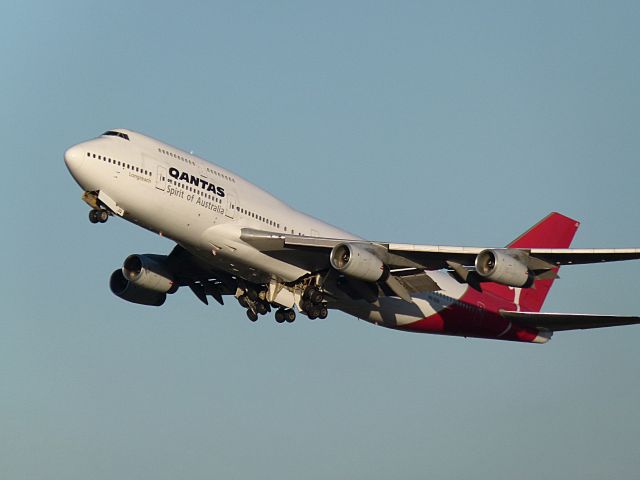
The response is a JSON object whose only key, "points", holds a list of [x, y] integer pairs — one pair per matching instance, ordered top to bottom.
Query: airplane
{"points": [[235, 239]]}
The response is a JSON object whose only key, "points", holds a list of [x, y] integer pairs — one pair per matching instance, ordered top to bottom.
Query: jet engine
{"points": [[356, 261], [504, 266], [150, 272], [143, 279], [123, 288]]}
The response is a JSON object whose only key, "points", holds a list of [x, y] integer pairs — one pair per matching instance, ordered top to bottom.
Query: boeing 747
{"points": [[235, 239]]}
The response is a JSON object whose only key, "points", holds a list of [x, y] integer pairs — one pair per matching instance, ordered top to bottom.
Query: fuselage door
{"points": [[204, 171], [161, 179], [230, 212]]}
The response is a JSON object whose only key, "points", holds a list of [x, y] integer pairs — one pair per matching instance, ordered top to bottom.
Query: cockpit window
{"points": [[111, 133]]}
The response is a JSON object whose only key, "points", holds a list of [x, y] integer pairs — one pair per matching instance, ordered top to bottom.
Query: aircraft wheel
{"points": [[93, 216], [103, 216], [312, 294], [315, 296], [262, 308], [313, 313], [323, 313], [280, 315], [289, 315], [253, 316]]}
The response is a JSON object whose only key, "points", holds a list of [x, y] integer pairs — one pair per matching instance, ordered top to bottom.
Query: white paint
{"points": [[141, 189]]}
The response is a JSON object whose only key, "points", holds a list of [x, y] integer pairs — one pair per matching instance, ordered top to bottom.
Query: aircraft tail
{"points": [[553, 231]]}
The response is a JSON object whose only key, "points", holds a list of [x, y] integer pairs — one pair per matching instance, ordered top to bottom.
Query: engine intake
{"points": [[356, 261], [504, 266], [149, 272], [143, 279], [123, 288]]}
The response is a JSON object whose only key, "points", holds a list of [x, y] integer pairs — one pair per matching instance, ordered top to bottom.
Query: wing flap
{"points": [[417, 282], [567, 321]]}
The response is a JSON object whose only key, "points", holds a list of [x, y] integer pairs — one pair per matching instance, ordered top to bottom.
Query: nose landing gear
{"points": [[98, 216]]}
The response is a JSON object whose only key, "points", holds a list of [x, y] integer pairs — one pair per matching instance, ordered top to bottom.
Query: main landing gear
{"points": [[98, 216], [255, 304], [312, 305], [282, 314], [285, 315]]}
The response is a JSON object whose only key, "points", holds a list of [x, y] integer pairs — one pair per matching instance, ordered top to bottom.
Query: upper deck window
{"points": [[111, 133]]}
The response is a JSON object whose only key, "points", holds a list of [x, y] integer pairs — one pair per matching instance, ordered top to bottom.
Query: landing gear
{"points": [[98, 216], [313, 295], [255, 300], [244, 301], [312, 303], [255, 307], [262, 308], [314, 310], [285, 315], [289, 315], [253, 316]]}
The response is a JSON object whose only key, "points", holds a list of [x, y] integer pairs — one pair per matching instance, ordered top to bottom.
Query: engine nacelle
{"points": [[356, 261], [505, 267], [149, 272], [123, 288]]}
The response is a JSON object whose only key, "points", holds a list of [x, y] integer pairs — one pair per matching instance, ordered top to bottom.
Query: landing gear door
{"points": [[161, 179], [230, 212]]}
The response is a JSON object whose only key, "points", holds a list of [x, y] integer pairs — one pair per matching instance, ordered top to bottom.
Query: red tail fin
{"points": [[553, 231]]}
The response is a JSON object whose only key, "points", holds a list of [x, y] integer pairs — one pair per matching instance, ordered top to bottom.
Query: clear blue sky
{"points": [[452, 122]]}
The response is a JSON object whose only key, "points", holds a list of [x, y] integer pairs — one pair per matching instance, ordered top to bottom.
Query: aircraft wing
{"points": [[313, 252], [195, 273], [567, 321]]}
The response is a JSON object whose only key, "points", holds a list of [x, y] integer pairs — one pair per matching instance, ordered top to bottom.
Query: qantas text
{"points": [[198, 182]]}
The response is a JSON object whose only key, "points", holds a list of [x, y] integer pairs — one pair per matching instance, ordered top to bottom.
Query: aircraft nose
{"points": [[73, 158]]}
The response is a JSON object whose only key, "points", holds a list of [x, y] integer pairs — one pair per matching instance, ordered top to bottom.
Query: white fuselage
{"points": [[199, 205], [204, 207]]}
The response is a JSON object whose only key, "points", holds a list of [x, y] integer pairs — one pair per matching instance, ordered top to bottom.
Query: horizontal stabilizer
{"points": [[567, 321]]}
